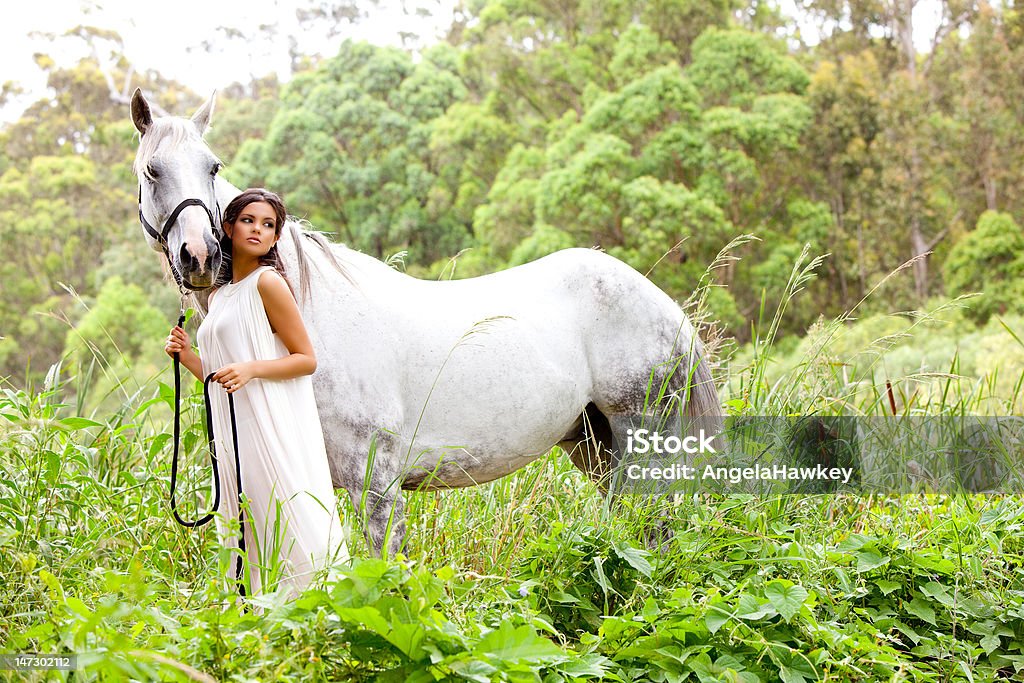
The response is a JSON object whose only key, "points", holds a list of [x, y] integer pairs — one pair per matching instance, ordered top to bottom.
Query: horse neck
{"points": [[225, 192]]}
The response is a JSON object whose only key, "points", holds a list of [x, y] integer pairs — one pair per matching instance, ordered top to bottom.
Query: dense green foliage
{"points": [[989, 260], [529, 578]]}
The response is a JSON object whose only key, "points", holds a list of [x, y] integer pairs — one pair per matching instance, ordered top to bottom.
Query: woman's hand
{"points": [[178, 342], [235, 376]]}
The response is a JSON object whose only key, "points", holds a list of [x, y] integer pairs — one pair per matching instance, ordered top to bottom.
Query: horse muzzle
{"points": [[194, 266], [198, 270]]}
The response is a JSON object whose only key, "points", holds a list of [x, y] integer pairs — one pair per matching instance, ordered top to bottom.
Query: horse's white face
{"points": [[175, 164]]}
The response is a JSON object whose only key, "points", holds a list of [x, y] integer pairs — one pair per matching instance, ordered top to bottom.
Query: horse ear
{"points": [[203, 115], [141, 116]]}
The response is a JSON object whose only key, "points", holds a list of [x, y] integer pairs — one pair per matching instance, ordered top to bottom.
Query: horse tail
{"points": [[703, 399], [703, 409]]}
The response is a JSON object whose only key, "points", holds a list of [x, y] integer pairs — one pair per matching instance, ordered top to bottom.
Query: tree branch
{"points": [[940, 34]]}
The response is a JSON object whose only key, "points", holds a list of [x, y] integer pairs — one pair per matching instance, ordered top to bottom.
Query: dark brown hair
{"points": [[231, 213]]}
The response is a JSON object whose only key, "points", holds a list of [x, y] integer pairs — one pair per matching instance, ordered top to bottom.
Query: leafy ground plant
{"points": [[530, 578], [793, 589]]}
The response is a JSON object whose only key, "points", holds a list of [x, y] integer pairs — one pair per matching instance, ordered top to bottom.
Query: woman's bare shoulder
{"points": [[269, 280], [272, 287]]}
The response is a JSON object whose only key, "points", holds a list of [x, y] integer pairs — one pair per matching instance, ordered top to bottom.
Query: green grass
{"points": [[530, 578]]}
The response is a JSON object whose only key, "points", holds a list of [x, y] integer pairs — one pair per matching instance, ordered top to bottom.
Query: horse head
{"points": [[178, 192]]}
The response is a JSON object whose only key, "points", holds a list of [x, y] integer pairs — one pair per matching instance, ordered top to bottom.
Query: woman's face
{"points": [[254, 232]]}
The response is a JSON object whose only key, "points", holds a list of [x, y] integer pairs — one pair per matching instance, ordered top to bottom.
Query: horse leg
{"points": [[674, 399], [589, 445], [594, 446], [366, 467], [380, 494], [383, 518]]}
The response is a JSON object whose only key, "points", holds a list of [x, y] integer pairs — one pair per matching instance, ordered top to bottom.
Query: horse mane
{"points": [[174, 129], [303, 258]]}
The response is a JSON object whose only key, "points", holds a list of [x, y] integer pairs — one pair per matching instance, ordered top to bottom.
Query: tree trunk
{"points": [[903, 23], [989, 181], [918, 246]]}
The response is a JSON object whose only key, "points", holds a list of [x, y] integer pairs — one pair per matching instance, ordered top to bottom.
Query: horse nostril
{"points": [[185, 258]]}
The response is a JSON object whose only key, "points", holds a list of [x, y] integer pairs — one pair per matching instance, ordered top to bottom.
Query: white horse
{"points": [[424, 384]]}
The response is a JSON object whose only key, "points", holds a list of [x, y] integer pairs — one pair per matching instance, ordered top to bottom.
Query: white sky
{"points": [[166, 35], [169, 40]]}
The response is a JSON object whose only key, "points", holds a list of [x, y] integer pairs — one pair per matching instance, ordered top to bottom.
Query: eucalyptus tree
{"points": [[916, 134], [350, 149], [666, 165], [66, 198], [54, 228], [989, 260]]}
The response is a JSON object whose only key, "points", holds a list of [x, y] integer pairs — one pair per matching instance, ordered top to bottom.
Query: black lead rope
{"points": [[213, 459]]}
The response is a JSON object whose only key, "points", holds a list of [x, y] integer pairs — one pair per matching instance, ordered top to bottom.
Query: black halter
{"points": [[161, 237]]}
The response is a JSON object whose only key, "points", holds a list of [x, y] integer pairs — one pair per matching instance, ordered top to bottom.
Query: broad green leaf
{"points": [[75, 423], [158, 443], [854, 542], [637, 559], [870, 559], [935, 562], [938, 592], [786, 599], [77, 606], [751, 608], [921, 609], [651, 610], [368, 617], [716, 618], [908, 631], [408, 638], [989, 643], [517, 644], [587, 666], [473, 670], [790, 675]]}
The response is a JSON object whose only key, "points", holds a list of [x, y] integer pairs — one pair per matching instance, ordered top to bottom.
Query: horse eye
{"points": [[215, 170], [152, 172]]}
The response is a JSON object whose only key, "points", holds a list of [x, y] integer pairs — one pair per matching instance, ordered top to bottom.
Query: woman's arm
{"points": [[283, 314], [179, 342]]}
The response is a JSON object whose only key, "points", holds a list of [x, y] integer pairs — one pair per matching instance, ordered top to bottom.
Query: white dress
{"points": [[281, 448]]}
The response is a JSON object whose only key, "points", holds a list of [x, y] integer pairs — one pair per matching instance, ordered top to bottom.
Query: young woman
{"points": [[254, 339]]}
